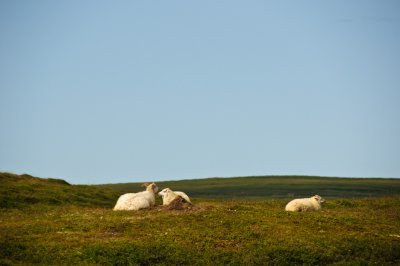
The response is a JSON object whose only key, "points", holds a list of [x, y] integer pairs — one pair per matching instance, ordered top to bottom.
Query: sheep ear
{"points": [[145, 184]]}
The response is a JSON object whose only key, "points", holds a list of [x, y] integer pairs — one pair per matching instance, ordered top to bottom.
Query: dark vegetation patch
{"points": [[276, 187]]}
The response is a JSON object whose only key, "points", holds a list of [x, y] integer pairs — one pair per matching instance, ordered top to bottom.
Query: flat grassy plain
{"points": [[217, 230]]}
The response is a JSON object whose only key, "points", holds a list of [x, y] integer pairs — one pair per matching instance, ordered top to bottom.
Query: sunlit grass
{"points": [[241, 231], [218, 233]]}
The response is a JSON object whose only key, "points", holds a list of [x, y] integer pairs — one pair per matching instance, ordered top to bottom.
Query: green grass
{"points": [[21, 191], [225, 231]]}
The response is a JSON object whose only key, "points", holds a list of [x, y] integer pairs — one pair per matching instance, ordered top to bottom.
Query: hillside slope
{"points": [[18, 191], [50, 222]]}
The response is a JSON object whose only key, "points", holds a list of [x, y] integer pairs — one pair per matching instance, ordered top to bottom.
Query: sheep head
{"points": [[151, 187], [164, 192], [318, 199]]}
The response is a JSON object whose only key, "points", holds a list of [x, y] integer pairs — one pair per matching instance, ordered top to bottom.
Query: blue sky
{"points": [[128, 91]]}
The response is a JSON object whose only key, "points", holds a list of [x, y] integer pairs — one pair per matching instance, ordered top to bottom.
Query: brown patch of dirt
{"points": [[179, 204]]}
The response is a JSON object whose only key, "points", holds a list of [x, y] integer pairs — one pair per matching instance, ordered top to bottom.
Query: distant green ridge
{"points": [[276, 187], [20, 191]]}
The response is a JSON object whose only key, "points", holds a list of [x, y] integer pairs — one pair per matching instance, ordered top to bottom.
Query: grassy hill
{"points": [[276, 187], [19, 191], [234, 221]]}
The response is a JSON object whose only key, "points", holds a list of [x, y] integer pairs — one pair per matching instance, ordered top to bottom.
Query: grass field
{"points": [[241, 230]]}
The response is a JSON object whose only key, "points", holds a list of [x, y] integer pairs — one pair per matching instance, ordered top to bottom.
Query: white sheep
{"points": [[168, 196], [139, 200], [308, 204]]}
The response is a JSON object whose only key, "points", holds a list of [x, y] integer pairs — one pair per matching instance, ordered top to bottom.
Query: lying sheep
{"points": [[168, 196], [137, 201], [308, 204]]}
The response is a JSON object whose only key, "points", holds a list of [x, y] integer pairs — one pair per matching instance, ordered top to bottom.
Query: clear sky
{"points": [[129, 91]]}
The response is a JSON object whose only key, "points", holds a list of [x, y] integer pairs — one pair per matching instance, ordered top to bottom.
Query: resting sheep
{"points": [[168, 196], [137, 201], [308, 204]]}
